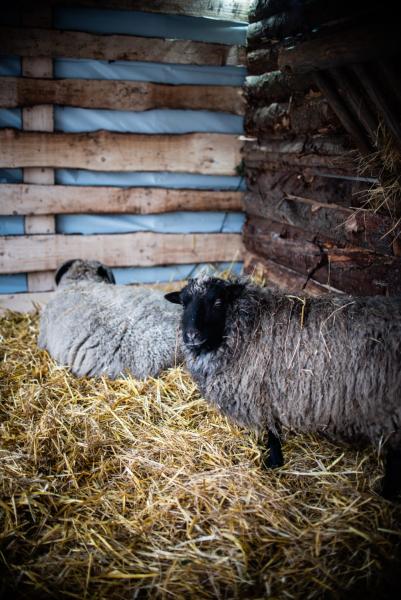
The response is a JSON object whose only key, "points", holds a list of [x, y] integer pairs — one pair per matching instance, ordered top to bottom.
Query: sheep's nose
{"points": [[192, 335], [193, 338]]}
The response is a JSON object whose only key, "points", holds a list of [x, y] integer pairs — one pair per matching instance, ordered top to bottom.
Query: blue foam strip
{"points": [[150, 25], [10, 66], [76, 68], [11, 117], [75, 120], [10, 175], [149, 179], [173, 222], [12, 225], [169, 273], [13, 284]]}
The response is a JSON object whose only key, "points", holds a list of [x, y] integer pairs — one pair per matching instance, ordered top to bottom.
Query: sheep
{"points": [[96, 328], [327, 365]]}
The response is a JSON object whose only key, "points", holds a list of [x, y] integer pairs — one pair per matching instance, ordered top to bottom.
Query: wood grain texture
{"points": [[235, 10], [71, 44], [347, 46], [119, 95], [39, 118], [207, 153], [20, 199], [346, 227], [47, 252], [351, 269], [278, 277], [41, 281]]}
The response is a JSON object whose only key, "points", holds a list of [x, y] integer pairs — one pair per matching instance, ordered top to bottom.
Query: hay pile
{"points": [[115, 490]]}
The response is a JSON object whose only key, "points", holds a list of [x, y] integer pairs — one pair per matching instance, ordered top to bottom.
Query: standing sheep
{"points": [[100, 329], [327, 365]]}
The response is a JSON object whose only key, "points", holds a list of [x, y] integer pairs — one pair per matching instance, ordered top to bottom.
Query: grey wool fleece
{"points": [[100, 329], [331, 367]]}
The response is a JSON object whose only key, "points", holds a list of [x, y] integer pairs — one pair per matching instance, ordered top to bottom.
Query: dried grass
{"points": [[385, 194], [127, 489]]}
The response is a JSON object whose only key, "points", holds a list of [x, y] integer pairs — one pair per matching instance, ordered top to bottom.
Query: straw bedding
{"points": [[126, 489]]}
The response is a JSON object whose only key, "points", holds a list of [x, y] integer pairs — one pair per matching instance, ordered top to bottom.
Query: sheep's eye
{"points": [[218, 303]]}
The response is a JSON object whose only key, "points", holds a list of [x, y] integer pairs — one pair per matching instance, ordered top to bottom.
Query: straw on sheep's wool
{"points": [[126, 489]]}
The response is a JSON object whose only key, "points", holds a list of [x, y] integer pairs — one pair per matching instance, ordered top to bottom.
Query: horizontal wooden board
{"points": [[234, 10], [72, 44], [119, 95], [207, 153], [21, 199], [45, 252], [24, 302]]}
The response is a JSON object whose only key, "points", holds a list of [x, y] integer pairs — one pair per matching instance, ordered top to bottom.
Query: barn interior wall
{"points": [[164, 121], [311, 127]]}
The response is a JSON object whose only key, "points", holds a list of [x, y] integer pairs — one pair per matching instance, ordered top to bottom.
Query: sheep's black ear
{"points": [[63, 270], [106, 274], [174, 297]]}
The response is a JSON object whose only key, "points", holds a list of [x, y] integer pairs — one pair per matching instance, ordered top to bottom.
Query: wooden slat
{"points": [[233, 10], [72, 44], [119, 95], [39, 118], [207, 153], [20, 199], [46, 252], [41, 281], [24, 302]]}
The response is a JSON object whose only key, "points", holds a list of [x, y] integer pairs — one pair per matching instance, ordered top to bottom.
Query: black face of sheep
{"points": [[205, 311]]}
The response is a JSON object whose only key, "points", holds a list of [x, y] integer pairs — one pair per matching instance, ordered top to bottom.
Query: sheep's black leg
{"points": [[275, 456], [391, 485]]}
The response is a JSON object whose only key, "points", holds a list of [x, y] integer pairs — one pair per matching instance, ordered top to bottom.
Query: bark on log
{"points": [[348, 46], [275, 87], [307, 114], [271, 186], [344, 226], [352, 270], [277, 277]]}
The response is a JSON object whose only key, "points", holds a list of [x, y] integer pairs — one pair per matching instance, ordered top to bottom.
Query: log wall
{"points": [[309, 120], [39, 150]]}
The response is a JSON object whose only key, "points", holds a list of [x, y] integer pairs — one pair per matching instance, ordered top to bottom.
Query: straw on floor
{"points": [[125, 489]]}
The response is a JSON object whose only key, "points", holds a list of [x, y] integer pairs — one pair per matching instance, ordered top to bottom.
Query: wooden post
{"points": [[39, 118]]}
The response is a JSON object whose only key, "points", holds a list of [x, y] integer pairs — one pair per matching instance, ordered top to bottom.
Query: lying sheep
{"points": [[100, 329], [329, 365]]}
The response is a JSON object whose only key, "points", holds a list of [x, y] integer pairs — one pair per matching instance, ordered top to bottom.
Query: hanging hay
{"points": [[384, 195], [126, 489]]}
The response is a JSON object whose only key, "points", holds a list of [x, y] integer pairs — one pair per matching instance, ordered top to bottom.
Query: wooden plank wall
{"points": [[39, 150], [308, 229]]}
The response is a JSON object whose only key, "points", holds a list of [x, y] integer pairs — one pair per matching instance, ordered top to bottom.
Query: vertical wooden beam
{"points": [[39, 118]]}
